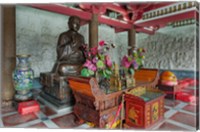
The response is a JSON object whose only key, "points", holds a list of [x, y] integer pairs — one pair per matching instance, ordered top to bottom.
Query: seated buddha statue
{"points": [[70, 54], [70, 58]]}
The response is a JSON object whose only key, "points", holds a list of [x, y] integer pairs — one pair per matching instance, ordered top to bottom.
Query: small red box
{"points": [[28, 107]]}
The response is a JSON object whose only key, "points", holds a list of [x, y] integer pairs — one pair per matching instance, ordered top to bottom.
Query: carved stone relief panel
{"points": [[170, 49]]}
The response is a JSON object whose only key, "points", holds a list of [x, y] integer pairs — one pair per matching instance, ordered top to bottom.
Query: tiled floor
{"points": [[178, 116]]}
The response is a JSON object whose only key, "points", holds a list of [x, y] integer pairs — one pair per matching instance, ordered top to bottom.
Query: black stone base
{"points": [[59, 104]]}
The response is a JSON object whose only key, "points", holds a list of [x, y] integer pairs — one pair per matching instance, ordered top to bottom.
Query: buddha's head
{"points": [[74, 23]]}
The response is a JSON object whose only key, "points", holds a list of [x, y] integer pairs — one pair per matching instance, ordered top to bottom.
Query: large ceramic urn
{"points": [[23, 78]]}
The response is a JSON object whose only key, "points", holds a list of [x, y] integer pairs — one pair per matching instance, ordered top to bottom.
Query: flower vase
{"points": [[23, 78]]}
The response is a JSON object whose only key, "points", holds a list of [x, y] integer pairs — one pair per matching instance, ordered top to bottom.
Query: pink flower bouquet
{"points": [[98, 61], [133, 61]]}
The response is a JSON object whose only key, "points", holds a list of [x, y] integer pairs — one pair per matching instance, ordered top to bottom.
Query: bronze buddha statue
{"points": [[69, 49], [70, 57]]}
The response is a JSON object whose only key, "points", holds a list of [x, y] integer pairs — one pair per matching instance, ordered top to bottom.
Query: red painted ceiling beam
{"points": [[158, 5], [85, 6], [111, 6], [147, 6], [93, 8], [116, 8], [139, 8], [101, 9], [119, 9], [63, 10], [83, 15], [86, 16], [165, 20], [114, 23], [137, 29], [118, 30], [140, 30]]}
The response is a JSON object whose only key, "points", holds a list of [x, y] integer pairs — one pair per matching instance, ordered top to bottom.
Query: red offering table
{"points": [[94, 105]]}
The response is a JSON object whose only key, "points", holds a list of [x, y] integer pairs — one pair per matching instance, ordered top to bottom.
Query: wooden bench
{"points": [[93, 105]]}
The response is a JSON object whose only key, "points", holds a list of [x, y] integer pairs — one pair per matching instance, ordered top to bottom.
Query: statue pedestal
{"points": [[56, 90], [57, 104], [57, 107]]}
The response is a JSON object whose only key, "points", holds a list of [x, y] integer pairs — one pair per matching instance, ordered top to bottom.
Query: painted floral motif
{"points": [[23, 75], [23, 79]]}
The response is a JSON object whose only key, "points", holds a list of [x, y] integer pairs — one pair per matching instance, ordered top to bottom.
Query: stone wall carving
{"points": [[170, 48]]}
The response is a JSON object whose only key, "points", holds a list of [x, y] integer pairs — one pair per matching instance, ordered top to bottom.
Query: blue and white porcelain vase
{"points": [[23, 78]]}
